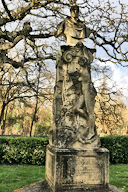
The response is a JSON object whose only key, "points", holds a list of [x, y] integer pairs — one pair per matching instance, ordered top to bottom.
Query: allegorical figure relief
{"points": [[74, 96]]}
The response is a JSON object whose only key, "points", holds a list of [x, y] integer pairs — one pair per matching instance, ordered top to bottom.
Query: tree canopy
{"points": [[31, 21], [28, 46]]}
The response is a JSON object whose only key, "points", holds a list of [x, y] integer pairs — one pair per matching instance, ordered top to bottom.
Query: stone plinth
{"points": [[77, 170], [42, 186]]}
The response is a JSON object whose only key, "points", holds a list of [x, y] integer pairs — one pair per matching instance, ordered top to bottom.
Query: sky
{"points": [[120, 77]]}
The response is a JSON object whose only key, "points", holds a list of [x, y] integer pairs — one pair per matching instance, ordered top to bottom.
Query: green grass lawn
{"points": [[16, 176], [119, 176]]}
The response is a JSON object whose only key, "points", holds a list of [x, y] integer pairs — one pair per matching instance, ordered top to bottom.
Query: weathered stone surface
{"points": [[74, 100], [75, 162], [68, 169], [42, 186]]}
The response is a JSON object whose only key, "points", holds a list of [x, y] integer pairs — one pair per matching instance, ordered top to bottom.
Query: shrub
{"points": [[118, 148], [23, 150], [32, 150]]}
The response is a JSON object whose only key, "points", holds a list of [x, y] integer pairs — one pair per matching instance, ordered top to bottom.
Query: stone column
{"points": [[75, 162]]}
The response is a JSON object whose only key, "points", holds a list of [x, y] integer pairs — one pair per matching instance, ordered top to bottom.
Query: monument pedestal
{"points": [[75, 162], [77, 170]]}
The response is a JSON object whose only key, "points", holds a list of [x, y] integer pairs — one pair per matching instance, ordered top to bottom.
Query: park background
{"points": [[28, 51]]}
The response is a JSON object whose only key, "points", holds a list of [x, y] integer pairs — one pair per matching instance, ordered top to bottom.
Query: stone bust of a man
{"points": [[73, 29]]}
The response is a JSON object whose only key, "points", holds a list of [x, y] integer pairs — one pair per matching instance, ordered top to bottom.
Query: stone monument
{"points": [[74, 160]]}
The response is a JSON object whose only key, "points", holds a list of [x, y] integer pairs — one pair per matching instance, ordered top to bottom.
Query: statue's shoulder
{"points": [[67, 19], [61, 26]]}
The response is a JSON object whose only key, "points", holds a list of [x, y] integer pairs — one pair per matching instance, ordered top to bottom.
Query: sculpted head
{"points": [[74, 11]]}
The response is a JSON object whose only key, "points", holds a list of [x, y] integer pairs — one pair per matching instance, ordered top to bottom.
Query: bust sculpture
{"points": [[73, 29]]}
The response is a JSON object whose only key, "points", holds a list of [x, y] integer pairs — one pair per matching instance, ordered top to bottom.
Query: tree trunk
{"points": [[37, 99], [34, 116], [2, 122]]}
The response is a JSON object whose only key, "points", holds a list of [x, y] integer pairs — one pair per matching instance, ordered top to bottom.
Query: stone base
{"points": [[77, 170], [42, 186]]}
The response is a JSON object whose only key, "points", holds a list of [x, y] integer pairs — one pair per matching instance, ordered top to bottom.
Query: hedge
{"points": [[118, 148], [23, 150], [32, 150]]}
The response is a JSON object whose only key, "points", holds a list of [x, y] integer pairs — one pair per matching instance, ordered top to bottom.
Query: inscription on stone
{"points": [[82, 170], [87, 171]]}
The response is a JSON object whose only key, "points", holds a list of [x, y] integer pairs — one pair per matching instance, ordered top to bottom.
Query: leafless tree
{"points": [[27, 30]]}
